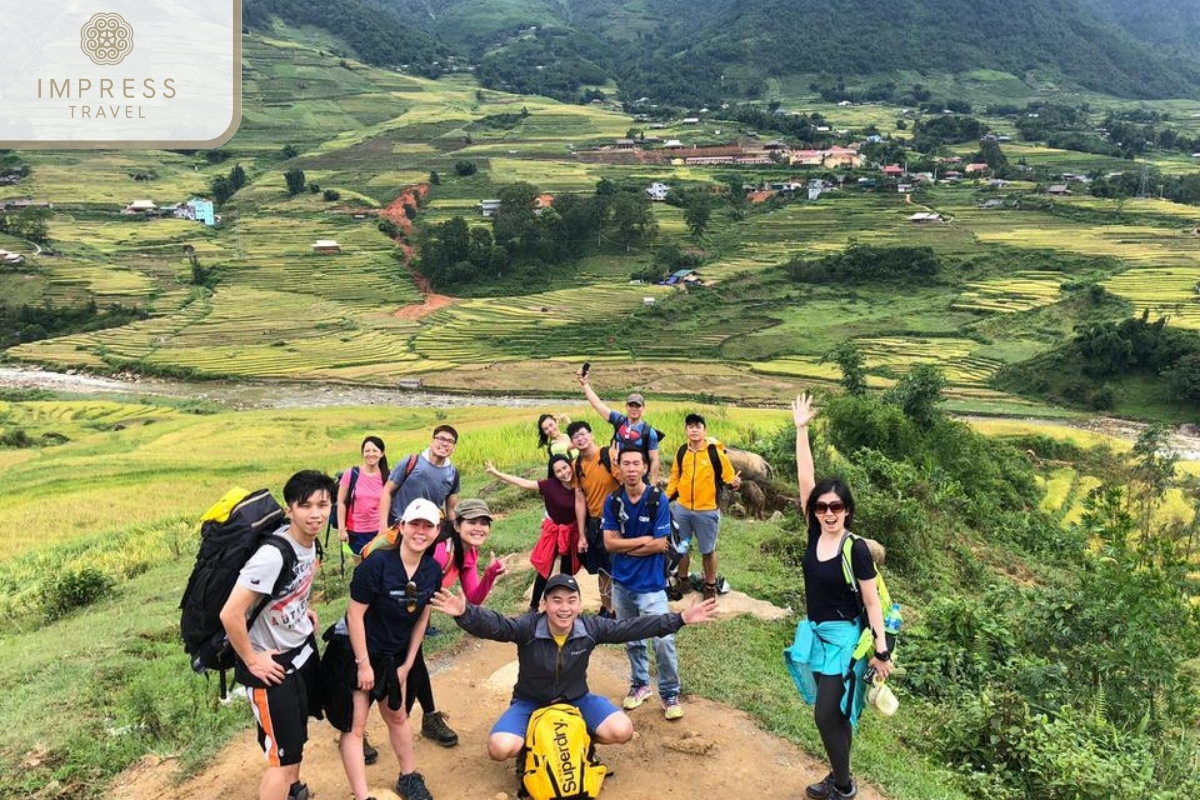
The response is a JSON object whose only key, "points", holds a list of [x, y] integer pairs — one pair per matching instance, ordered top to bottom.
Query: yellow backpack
{"points": [[558, 761]]}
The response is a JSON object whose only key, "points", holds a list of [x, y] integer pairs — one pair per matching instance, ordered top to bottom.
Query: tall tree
{"points": [[295, 181]]}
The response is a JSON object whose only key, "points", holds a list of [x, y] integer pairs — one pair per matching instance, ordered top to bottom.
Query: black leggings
{"points": [[539, 584], [419, 687], [834, 726]]}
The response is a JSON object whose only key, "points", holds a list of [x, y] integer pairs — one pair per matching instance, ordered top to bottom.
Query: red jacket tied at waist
{"points": [[556, 540]]}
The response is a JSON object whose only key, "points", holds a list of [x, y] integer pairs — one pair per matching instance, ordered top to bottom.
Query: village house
{"points": [[625, 144], [975, 167], [893, 170], [1058, 190], [658, 191], [760, 196], [542, 202], [22, 203], [146, 207], [488, 208], [197, 210], [924, 217], [326, 247], [8, 259], [683, 277]]}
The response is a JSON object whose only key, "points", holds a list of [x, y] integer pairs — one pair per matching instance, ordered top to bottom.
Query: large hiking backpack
{"points": [[230, 532], [559, 760]]}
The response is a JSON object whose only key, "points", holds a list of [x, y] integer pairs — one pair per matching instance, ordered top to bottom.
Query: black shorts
{"points": [[595, 560], [281, 712]]}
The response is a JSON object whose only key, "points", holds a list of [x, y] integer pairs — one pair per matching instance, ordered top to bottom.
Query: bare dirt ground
{"points": [[714, 750]]}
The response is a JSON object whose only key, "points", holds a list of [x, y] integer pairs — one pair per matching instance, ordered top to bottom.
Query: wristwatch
{"points": [[883, 655]]}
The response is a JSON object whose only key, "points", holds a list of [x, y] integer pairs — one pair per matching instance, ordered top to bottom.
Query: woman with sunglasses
{"points": [[552, 437], [559, 538], [387, 618], [821, 659]]}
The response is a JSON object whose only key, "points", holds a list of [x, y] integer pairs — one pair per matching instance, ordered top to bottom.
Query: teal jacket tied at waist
{"points": [[827, 648]]}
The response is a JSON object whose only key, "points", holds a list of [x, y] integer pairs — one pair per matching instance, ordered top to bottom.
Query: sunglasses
{"points": [[836, 507], [410, 597]]}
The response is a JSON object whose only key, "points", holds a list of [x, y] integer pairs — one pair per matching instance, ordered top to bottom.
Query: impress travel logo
{"points": [[125, 74]]}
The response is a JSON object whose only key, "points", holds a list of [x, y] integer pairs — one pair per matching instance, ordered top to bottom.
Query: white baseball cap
{"points": [[422, 509]]}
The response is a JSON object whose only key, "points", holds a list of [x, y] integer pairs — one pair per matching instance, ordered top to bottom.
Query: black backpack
{"points": [[713, 456], [333, 512], [675, 546], [225, 547]]}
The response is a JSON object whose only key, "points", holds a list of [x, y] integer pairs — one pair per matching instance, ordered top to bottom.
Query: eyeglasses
{"points": [[580, 434], [445, 439], [836, 507], [410, 597]]}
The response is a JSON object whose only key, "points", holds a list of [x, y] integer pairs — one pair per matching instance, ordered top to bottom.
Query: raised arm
{"points": [[594, 399], [803, 413], [515, 480]]}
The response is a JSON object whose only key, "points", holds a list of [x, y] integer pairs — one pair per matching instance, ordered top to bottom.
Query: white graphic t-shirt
{"points": [[284, 624]]}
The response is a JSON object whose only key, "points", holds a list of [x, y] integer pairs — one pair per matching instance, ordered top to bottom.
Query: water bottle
{"points": [[891, 625]]}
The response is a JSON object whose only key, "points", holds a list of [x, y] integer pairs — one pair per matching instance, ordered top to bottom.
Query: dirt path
{"points": [[714, 750]]}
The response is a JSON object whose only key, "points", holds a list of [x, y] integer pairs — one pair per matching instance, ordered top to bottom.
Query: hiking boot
{"points": [[710, 590], [637, 695], [672, 708], [433, 726], [370, 754], [412, 787], [821, 789], [298, 791], [838, 794]]}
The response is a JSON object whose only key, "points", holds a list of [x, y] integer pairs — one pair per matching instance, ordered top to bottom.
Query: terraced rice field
{"points": [[1023, 291]]}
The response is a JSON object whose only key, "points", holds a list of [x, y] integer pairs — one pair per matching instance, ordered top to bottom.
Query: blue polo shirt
{"points": [[641, 574]]}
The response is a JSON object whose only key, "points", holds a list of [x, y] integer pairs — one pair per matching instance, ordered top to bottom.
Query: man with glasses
{"points": [[630, 431], [432, 476], [435, 479]]}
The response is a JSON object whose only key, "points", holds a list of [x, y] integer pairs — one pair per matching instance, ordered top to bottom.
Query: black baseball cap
{"points": [[693, 419], [562, 580]]}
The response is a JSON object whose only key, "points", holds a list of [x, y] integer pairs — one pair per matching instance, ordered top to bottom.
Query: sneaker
{"points": [[710, 591], [637, 695], [672, 708], [433, 726], [370, 754], [412, 787], [821, 789], [827, 789], [298, 791]]}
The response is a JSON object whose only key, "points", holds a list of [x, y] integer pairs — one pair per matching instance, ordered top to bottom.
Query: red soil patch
{"points": [[411, 196]]}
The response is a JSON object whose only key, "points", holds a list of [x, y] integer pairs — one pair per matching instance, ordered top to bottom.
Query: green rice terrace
{"points": [[255, 298]]}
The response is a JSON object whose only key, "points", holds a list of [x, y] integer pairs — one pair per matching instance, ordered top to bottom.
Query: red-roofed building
{"points": [[975, 167], [893, 170], [760, 197]]}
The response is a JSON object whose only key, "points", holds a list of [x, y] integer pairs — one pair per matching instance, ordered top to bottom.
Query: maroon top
{"points": [[560, 501]]}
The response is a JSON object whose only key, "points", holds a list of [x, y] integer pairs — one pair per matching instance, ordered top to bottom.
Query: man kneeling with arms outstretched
{"points": [[553, 649]]}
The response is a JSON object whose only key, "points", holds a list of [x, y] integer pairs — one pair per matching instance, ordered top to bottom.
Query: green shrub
{"points": [[75, 589]]}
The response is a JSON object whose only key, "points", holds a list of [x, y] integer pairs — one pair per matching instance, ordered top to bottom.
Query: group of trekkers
{"points": [[413, 538]]}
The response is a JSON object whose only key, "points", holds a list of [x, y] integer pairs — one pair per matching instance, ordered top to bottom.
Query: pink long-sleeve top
{"points": [[475, 589]]}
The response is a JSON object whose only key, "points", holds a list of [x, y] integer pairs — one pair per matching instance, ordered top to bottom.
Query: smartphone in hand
{"points": [[585, 369]]}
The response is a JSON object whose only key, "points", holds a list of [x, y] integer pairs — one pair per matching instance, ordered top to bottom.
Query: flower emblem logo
{"points": [[106, 39]]}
